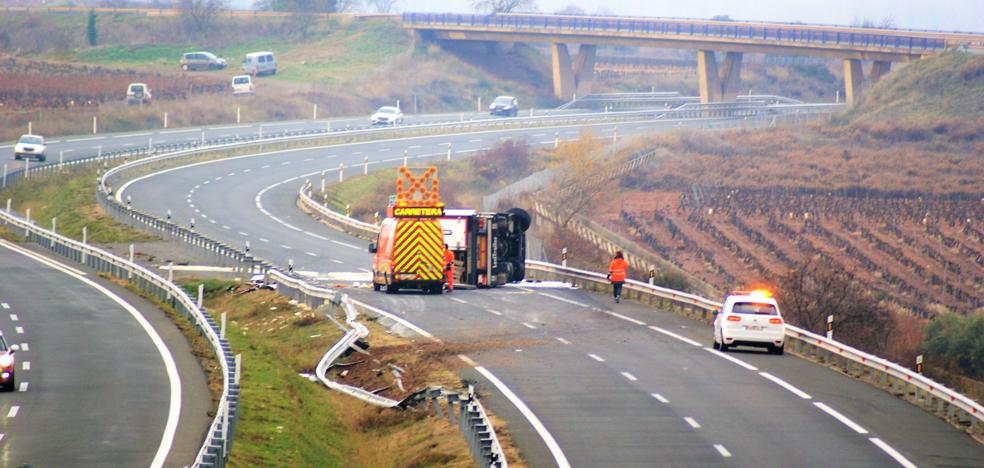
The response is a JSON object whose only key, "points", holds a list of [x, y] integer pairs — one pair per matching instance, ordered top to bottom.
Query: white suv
{"points": [[30, 146], [749, 319]]}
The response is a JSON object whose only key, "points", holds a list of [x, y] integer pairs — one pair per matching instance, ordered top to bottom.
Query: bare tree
{"points": [[347, 6], [383, 6], [504, 6], [571, 10], [198, 16], [581, 180], [817, 287]]}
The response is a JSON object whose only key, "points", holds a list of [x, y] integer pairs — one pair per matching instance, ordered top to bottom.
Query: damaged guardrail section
{"points": [[914, 387], [473, 422]]}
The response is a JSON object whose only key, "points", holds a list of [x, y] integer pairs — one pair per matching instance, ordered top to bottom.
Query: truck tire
{"points": [[522, 217], [376, 286], [392, 289]]}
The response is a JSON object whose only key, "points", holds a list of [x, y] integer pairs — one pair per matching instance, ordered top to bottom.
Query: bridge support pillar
{"points": [[878, 70], [707, 76], [570, 78], [853, 80], [718, 84]]}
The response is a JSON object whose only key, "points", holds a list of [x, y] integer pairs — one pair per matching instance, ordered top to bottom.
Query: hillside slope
{"points": [[950, 85]]}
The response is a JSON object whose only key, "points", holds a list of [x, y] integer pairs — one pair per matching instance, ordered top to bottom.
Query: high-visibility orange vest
{"points": [[618, 268]]}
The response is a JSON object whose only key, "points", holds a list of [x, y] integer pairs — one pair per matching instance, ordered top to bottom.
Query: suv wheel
{"points": [[184, 67]]}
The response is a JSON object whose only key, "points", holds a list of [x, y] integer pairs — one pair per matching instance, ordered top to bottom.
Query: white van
{"points": [[260, 63], [242, 84]]}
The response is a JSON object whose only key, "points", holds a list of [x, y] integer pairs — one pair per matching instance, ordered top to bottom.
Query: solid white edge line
{"points": [[562, 299], [623, 317], [401, 321], [674, 335], [732, 359], [786, 385], [174, 408], [840, 417], [693, 422], [555, 450], [723, 451], [892, 453]]}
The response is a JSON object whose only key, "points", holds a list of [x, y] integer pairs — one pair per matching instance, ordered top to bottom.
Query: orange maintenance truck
{"points": [[488, 248]]}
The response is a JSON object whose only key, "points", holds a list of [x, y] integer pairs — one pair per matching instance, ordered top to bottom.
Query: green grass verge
{"points": [[71, 198], [288, 420]]}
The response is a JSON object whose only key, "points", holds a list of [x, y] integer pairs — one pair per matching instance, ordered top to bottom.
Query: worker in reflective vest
{"points": [[449, 267], [617, 270]]}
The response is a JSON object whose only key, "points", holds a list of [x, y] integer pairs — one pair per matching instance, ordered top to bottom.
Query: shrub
{"points": [[958, 340]]}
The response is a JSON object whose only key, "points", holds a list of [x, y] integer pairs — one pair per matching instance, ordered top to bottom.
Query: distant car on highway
{"points": [[201, 61], [260, 63], [242, 84], [138, 93], [504, 105], [387, 115], [30, 146], [749, 319], [7, 364]]}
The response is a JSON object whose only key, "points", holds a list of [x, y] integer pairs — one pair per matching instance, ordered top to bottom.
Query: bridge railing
{"points": [[656, 27]]}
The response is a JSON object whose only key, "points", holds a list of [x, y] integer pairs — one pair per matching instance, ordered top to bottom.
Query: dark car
{"points": [[504, 105]]}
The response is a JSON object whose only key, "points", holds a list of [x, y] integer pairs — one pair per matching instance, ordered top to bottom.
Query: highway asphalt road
{"points": [[80, 146], [94, 386], [635, 389]]}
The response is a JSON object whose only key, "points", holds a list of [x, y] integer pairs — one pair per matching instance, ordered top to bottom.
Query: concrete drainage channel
{"points": [[946, 403]]}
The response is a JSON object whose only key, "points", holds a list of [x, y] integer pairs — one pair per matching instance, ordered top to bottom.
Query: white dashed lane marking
{"points": [[564, 299], [459, 301], [4, 305], [493, 312], [13, 317], [531, 327], [19, 330], [563, 340], [25, 347], [596, 357], [26, 365], [629, 376], [23, 387], [660, 398], [13, 411], [840, 417], [693, 422], [723, 451]]}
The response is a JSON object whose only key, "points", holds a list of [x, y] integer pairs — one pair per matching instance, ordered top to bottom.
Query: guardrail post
{"points": [[315, 114], [95, 125], [615, 135], [203, 136], [556, 139], [406, 156], [61, 158], [365, 166], [27, 168], [341, 172], [5, 178], [323, 181], [54, 225], [85, 240], [563, 257], [129, 268], [170, 273], [201, 295], [222, 329], [239, 369]]}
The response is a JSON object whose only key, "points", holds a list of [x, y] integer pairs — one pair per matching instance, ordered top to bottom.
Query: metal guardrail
{"points": [[657, 27], [917, 388], [931, 395], [473, 422], [218, 440]]}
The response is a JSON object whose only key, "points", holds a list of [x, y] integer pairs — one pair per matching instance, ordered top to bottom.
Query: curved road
{"points": [[98, 384], [621, 385]]}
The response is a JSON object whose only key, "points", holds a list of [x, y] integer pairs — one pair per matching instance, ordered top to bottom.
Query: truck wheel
{"points": [[522, 217], [376, 286], [392, 289]]}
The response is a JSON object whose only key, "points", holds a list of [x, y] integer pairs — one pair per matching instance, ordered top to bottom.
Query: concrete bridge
{"points": [[573, 75]]}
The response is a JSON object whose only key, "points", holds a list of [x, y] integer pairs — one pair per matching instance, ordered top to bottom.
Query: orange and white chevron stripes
{"points": [[419, 248]]}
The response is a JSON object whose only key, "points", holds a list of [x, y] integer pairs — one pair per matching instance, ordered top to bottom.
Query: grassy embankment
{"points": [[345, 66], [288, 420]]}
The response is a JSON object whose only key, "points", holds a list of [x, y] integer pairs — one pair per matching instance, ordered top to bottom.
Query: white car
{"points": [[243, 84], [387, 115], [30, 146], [749, 319]]}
